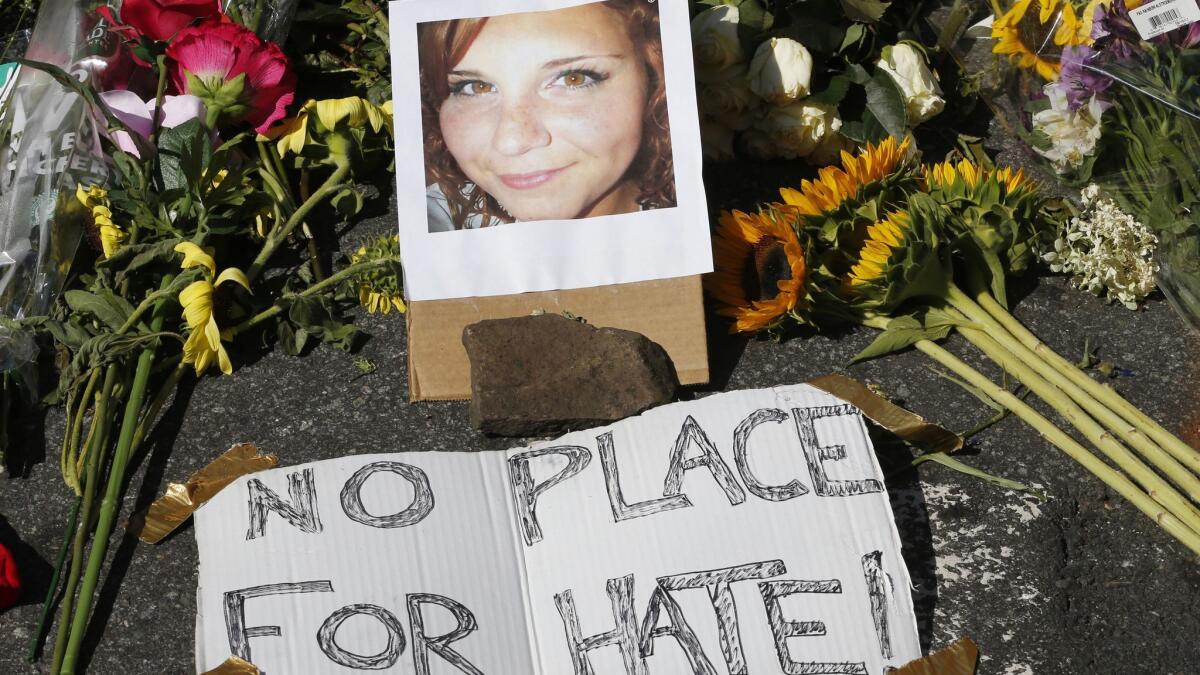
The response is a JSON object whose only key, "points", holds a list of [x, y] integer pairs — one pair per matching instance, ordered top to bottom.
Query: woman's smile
{"points": [[532, 179]]}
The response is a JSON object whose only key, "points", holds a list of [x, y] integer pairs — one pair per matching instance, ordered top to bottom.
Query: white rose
{"points": [[715, 43], [781, 70], [726, 94], [922, 95], [800, 128], [1073, 134], [716, 140], [758, 144], [829, 150]]}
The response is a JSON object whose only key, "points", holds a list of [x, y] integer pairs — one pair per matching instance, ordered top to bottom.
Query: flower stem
{"points": [[277, 237], [337, 277], [1107, 395], [156, 404], [1131, 434], [91, 476], [1111, 477], [1155, 486], [109, 507], [35, 640]]}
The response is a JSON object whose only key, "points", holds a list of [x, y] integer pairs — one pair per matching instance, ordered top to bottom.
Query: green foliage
{"points": [[347, 41]]}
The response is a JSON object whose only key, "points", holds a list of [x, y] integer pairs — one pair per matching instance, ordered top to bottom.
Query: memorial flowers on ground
{"points": [[202, 249], [920, 251]]}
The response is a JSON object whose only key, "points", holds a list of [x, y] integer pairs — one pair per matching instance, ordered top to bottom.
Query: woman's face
{"points": [[545, 112]]}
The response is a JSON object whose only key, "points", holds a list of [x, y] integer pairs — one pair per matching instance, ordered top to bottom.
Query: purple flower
{"points": [[1113, 31], [1081, 78], [137, 114]]}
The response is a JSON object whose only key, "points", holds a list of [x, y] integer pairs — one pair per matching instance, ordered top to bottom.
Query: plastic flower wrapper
{"points": [[1104, 97], [49, 143]]}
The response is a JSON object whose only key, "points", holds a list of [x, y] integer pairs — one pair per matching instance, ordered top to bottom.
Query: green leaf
{"points": [[867, 11], [854, 35], [833, 93], [886, 103], [182, 155], [104, 307], [902, 332], [952, 463]]}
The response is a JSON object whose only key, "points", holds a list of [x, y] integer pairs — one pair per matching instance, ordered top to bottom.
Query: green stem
{"points": [[277, 237], [284, 302], [1107, 395], [156, 404], [70, 452], [90, 478], [1114, 479], [1156, 487], [109, 507], [47, 606]]}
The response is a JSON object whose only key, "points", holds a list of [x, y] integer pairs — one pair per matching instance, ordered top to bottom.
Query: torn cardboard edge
{"points": [[667, 311]]}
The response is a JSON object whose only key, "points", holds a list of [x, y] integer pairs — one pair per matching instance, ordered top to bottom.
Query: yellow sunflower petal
{"points": [[194, 256], [233, 274]]}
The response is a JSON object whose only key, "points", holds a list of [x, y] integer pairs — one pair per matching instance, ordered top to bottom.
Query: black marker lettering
{"points": [[816, 454], [709, 458], [526, 492], [774, 493], [616, 499], [301, 512], [415, 512], [717, 582], [878, 583], [235, 612], [678, 629], [783, 629], [624, 635], [327, 639], [440, 644]]}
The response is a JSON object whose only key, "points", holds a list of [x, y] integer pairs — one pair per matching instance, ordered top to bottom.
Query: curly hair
{"points": [[444, 43]]}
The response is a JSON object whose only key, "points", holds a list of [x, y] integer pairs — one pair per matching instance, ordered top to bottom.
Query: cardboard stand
{"points": [[668, 311]]}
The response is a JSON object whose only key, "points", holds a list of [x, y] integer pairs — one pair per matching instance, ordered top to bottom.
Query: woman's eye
{"points": [[578, 79], [471, 88]]}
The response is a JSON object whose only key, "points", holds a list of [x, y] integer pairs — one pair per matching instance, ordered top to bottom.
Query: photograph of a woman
{"points": [[547, 115]]}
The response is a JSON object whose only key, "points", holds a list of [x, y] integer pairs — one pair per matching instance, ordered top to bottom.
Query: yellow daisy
{"points": [[834, 185], [95, 198], [883, 238], [760, 271], [203, 346]]}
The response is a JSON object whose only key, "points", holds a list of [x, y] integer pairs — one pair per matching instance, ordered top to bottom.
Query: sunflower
{"points": [[1025, 36], [357, 113], [946, 174], [835, 185], [95, 199], [883, 238], [760, 270], [379, 288]]}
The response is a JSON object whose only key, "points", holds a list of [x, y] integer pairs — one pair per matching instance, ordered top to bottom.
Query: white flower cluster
{"points": [[760, 103], [1107, 251]]}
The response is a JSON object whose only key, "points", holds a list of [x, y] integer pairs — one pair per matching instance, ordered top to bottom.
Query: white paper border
{"points": [[552, 254]]}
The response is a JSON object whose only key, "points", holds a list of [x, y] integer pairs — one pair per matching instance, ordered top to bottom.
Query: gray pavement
{"points": [[1078, 583]]}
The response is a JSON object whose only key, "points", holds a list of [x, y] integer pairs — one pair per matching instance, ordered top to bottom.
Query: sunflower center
{"points": [[1035, 35], [769, 266]]}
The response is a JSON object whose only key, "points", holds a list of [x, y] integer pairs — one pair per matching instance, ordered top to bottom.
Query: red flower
{"points": [[160, 19], [237, 74], [10, 581]]}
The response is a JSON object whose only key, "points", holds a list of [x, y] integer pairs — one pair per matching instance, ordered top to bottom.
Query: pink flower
{"points": [[238, 75], [138, 114]]}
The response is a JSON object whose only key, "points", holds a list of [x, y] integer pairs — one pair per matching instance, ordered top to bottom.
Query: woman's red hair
{"points": [[444, 43]]}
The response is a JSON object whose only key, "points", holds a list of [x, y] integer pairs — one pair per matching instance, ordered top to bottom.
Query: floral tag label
{"points": [[1159, 17]]}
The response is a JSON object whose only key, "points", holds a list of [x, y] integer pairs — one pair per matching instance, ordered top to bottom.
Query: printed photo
{"points": [[547, 115], [545, 145]]}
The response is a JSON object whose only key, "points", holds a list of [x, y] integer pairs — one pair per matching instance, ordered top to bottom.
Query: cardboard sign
{"points": [[747, 532]]}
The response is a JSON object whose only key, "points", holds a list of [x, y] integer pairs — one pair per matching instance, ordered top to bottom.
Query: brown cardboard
{"points": [[668, 311]]}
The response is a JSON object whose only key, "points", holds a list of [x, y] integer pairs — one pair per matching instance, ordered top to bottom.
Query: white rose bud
{"points": [[715, 43], [781, 70], [726, 94], [922, 95], [799, 129], [716, 140]]}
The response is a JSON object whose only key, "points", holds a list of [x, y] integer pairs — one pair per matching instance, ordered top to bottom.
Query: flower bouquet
{"points": [[807, 78], [1104, 93], [201, 232], [918, 252]]}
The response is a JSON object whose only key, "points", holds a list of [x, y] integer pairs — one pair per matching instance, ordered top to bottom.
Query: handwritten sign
{"points": [[744, 533]]}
